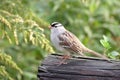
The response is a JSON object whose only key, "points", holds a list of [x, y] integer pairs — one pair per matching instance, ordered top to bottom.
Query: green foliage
{"points": [[21, 38], [105, 42], [111, 54], [6, 61], [4, 74]]}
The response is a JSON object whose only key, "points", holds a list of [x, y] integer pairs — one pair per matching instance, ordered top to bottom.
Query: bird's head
{"points": [[56, 26]]}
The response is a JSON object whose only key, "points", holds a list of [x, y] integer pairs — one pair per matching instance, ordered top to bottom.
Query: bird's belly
{"points": [[55, 42]]}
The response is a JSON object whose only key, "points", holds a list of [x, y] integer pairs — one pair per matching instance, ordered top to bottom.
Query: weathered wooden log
{"points": [[78, 69]]}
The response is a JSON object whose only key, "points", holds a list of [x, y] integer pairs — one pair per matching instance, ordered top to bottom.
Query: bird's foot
{"points": [[64, 58]]}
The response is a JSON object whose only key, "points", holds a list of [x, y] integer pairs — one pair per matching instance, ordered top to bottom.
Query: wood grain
{"points": [[78, 68]]}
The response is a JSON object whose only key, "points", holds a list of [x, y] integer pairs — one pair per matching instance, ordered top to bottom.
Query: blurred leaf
{"points": [[105, 38], [105, 42], [113, 54], [30, 75]]}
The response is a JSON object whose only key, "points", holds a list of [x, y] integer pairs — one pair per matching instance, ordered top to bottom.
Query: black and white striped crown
{"points": [[56, 24]]}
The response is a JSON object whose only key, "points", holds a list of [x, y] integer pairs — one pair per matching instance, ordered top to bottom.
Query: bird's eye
{"points": [[55, 26]]}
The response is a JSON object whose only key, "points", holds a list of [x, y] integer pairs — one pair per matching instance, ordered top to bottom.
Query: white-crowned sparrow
{"points": [[67, 42]]}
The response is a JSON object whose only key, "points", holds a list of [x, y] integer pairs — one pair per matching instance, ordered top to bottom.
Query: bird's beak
{"points": [[49, 27]]}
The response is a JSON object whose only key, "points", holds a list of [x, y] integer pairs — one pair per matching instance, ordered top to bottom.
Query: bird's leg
{"points": [[64, 58]]}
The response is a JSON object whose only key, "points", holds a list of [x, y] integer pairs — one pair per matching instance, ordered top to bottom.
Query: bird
{"points": [[65, 41]]}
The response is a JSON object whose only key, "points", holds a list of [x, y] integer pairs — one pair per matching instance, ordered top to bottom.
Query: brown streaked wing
{"points": [[70, 42]]}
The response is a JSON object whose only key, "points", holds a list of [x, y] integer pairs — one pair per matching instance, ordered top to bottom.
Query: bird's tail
{"points": [[96, 53]]}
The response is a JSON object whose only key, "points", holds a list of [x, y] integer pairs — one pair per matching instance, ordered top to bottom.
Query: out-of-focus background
{"points": [[24, 33]]}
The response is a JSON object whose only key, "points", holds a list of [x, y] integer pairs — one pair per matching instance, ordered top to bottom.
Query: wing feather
{"points": [[70, 42]]}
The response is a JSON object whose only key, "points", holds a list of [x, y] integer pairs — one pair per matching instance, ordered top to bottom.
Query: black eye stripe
{"points": [[54, 24]]}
